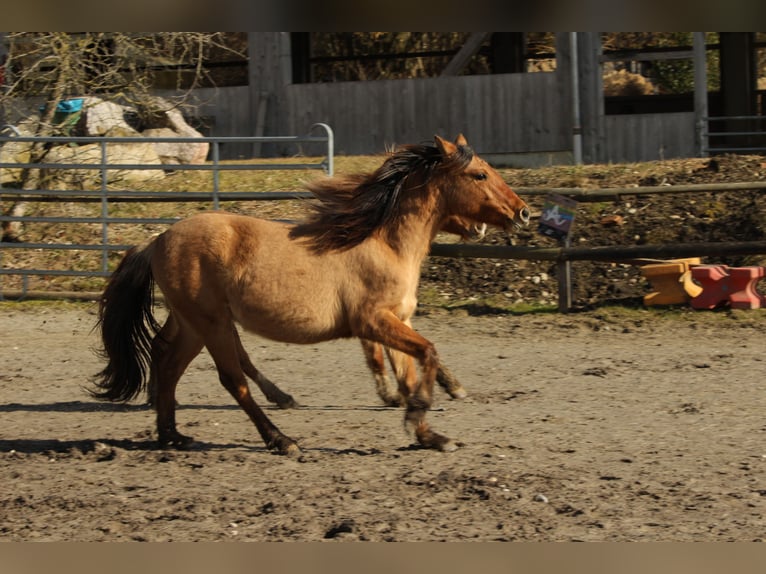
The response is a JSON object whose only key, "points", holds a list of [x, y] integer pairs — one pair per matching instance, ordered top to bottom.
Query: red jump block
{"points": [[714, 280], [742, 282], [723, 285]]}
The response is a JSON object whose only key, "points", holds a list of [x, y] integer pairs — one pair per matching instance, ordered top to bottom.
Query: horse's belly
{"points": [[293, 322]]}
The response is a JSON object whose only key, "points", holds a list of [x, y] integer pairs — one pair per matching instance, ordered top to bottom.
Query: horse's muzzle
{"points": [[524, 215], [520, 218]]}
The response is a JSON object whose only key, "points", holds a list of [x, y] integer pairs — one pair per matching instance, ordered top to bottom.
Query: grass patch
{"points": [[475, 305]]}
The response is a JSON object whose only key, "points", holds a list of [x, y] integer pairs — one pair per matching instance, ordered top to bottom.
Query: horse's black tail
{"points": [[127, 327]]}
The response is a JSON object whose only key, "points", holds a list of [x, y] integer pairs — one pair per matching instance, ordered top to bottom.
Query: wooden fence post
{"points": [[564, 274]]}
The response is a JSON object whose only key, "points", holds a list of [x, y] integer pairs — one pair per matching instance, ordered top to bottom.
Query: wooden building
{"points": [[511, 115], [517, 118]]}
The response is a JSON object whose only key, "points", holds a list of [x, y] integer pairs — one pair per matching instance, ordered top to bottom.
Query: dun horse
{"points": [[350, 270], [401, 364]]}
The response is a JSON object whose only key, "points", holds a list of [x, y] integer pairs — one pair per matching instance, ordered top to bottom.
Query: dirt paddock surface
{"points": [[626, 426]]}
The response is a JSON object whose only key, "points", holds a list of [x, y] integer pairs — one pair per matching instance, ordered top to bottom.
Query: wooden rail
{"points": [[638, 254]]}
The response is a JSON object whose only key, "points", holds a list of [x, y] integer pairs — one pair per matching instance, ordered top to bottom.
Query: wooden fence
{"points": [[635, 254]]}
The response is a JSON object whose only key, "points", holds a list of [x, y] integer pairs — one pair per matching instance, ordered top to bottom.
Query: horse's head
{"points": [[474, 190]]}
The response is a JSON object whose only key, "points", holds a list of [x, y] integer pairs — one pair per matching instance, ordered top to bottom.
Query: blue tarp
{"points": [[67, 106], [70, 106]]}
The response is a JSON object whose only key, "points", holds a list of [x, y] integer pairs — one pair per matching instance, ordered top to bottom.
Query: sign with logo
{"points": [[557, 217]]}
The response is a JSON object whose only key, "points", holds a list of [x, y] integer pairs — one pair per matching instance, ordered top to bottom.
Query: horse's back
{"points": [[213, 243]]}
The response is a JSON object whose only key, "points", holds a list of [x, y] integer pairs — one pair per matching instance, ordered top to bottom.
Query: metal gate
{"points": [[734, 134], [105, 196]]}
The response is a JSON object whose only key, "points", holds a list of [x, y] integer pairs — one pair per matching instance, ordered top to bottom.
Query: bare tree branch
{"points": [[49, 67]]}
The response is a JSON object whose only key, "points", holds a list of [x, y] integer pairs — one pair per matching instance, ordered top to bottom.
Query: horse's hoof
{"points": [[457, 393], [395, 401], [287, 403], [430, 439], [176, 441], [441, 443], [285, 446], [447, 446], [292, 451]]}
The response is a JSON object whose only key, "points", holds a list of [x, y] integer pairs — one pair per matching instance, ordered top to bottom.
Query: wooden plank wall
{"points": [[226, 112], [505, 113], [515, 113], [500, 114], [648, 137]]}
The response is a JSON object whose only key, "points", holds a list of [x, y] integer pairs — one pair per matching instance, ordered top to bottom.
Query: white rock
{"points": [[106, 118], [139, 153]]}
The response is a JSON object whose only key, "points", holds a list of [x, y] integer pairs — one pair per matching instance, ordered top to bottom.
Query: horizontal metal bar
{"points": [[726, 118], [728, 134], [171, 139], [729, 149], [165, 166], [68, 195], [233, 197], [114, 220], [65, 246], [601, 253], [55, 272], [20, 294]]}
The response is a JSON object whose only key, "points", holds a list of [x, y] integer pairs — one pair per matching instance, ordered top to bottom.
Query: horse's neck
{"points": [[414, 230]]}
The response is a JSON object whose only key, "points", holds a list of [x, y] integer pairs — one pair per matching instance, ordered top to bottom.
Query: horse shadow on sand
{"points": [[104, 449]]}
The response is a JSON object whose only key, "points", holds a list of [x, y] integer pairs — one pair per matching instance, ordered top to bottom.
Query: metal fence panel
{"points": [[104, 195]]}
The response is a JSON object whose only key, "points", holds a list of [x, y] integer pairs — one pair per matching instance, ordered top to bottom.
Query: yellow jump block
{"points": [[671, 281]]}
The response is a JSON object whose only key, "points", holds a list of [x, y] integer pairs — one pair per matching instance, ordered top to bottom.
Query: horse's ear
{"points": [[460, 140], [446, 148]]}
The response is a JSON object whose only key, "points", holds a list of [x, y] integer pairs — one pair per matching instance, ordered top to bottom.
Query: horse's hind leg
{"points": [[222, 345], [159, 348], [172, 350], [272, 393], [388, 393]]}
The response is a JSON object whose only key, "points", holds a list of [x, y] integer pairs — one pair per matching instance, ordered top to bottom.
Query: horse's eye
{"points": [[480, 176]]}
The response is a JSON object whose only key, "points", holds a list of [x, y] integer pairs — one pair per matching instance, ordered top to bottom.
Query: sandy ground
{"points": [[577, 427]]}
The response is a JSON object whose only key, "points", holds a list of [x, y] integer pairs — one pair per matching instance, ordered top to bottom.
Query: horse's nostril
{"points": [[524, 214]]}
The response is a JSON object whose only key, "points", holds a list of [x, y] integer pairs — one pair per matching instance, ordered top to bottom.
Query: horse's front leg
{"points": [[387, 329], [403, 366], [450, 384]]}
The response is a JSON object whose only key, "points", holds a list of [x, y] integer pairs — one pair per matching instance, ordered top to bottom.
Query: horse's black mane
{"points": [[351, 207]]}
